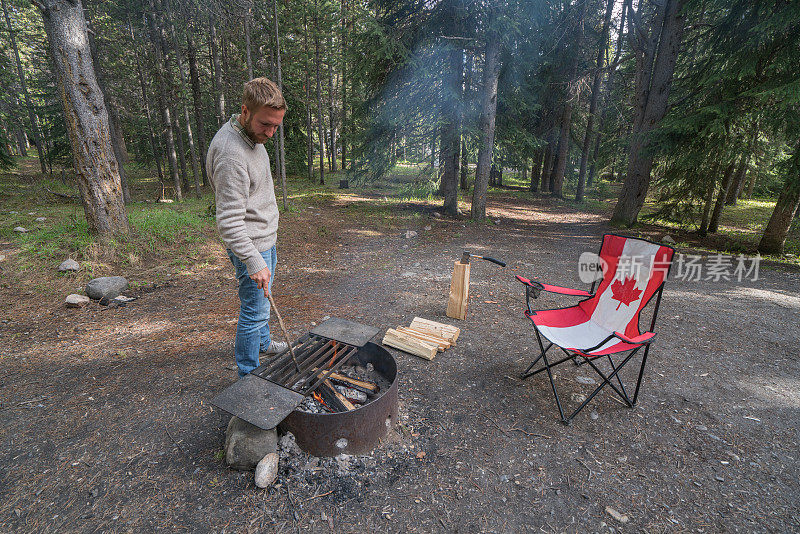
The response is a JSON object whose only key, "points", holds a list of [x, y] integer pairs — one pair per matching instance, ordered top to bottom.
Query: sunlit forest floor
{"points": [[107, 426]]}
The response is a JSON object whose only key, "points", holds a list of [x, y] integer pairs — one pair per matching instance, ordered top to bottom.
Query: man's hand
{"points": [[261, 279]]}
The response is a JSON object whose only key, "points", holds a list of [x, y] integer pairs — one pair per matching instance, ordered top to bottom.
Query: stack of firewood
{"points": [[422, 338]]}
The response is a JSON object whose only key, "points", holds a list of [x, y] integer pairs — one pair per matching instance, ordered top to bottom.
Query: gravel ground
{"points": [[107, 426]]}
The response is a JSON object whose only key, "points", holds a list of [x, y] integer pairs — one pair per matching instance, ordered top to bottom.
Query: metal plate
{"points": [[345, 331], [258, 401]]}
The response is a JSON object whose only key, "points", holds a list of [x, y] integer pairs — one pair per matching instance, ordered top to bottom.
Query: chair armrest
{"points": [[554, 289], [642, 339]]}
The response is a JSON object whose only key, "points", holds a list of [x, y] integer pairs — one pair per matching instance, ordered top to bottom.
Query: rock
{"points": [[166, 200], [436, 215], [41, 219], [497, 221], [429, 228], [20, 229], [410, 233], [667, 239], [69, 265], [106, 287], [76, 301], [585, 380], [594, 416], [246, 444], [288, 444], [267, 470], [622, 518]]}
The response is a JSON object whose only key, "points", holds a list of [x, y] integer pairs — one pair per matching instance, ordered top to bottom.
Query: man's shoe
{"points": [[275, 347]]}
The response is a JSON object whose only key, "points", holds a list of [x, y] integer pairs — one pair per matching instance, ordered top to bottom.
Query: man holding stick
{"points": [[247, 213]]}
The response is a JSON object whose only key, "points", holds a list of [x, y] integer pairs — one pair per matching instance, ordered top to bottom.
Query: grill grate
{"points": [[317, 358]]}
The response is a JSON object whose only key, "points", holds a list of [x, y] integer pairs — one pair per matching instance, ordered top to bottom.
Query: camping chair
{"points": [[606, 322]]}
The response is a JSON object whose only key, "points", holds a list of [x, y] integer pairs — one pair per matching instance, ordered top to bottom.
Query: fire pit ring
{"points": [[356, 431]]}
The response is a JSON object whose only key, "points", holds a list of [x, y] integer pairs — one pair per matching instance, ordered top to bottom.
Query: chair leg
{"points": [[641, 372], [527, 373], [549, 373], [619, 380], [606, 381]]}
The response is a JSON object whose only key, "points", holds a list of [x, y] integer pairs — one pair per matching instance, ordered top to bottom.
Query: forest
{"points": [[688, 105]]}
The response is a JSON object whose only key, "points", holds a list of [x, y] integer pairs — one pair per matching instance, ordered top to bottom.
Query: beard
{"points": [[248, 128]]}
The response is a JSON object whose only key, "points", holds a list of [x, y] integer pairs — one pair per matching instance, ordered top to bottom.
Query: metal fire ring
{"points": [[356, 431]]}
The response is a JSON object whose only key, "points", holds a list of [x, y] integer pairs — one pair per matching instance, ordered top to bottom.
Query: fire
{"points": [[335, 352], [318, 398]]}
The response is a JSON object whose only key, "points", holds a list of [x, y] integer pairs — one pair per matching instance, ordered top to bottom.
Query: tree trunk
{"points": [[247, 32], [491, 72], [653, 81], [218, 87], [307, 87], [606, 92], [464, 99], [197, 101], [145, 102], [331, 108], [320, 114], [86, 117], [186, 117], [166, 118], [451, 131], [37, 136], [343, 136], [587, 138], [281, 148], [181, 149], [547, 166], [536, 170], [557, 179], [738, 180], [713, 224], [777, 229], [703, 231]]}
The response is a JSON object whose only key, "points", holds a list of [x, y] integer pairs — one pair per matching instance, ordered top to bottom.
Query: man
{"points": [[247, 212]]}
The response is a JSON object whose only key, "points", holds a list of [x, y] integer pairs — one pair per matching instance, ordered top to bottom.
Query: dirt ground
{"points": [[106, 424]]}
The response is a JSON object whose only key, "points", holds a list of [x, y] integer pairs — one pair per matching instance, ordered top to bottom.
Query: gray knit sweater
{"points": [[247, 212]]}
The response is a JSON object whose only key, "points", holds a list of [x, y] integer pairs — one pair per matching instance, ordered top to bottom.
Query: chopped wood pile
{"points": [[423, 338]]}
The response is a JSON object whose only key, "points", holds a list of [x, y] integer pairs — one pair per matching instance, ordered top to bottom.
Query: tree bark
{"points": [[247, 32], [655, 68], [491, 72], [182, 84], [218, 87], [307, 87], [197, 100], [331, 108], [320, 113], [86, 117], [166, 118], [115, 128], [451, 130], [37, 136], [343, 136], [587, 138], [281, 149], [464, 164], [547, 165], [560, 166], [536, 170], [738, 179], [713, 224], [774, 237]]}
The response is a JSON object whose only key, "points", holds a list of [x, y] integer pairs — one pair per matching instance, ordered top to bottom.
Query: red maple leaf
{"points": [[625, 292]]}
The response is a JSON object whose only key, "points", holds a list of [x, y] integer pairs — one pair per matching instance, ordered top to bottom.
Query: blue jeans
{"points": [[252, 330]]}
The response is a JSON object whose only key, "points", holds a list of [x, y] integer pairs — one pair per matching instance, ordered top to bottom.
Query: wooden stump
{"points": [[459, 291]]}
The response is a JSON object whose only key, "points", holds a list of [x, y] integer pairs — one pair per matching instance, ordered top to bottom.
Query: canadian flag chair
{"points": [[606, 322]]}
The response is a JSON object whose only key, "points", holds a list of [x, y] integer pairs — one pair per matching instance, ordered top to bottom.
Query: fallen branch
{"points": [[62, 195]]}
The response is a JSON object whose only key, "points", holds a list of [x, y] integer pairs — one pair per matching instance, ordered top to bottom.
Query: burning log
{"points": [[360, 385], [353, 395], [333, 399]]}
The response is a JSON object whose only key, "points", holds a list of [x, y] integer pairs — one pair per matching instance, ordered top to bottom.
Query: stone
{"points": [[41, 219], [496, 221], [429, 228], [20, 229], [410, 233], [667, 239], [69, 265], [107, 287], [76, 301], [585, 380], [246, 444], [288, 444], [267, 470], [622, 518]]}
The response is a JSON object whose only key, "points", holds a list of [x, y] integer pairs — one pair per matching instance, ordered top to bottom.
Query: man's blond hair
{"points": [[261, 92]]}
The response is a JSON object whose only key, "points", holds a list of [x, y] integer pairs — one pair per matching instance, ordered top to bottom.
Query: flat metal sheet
{"points": [[345, 331], [258, 401]]}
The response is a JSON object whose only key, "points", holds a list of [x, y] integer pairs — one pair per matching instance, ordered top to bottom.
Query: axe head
{"points": [[465, 257]]}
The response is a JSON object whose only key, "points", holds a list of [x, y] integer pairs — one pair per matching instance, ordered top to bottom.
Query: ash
{"points": [[365, 373]]}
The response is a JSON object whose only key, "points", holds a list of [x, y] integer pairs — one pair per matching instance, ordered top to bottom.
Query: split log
{"points": [[459, 291], [446, 331], [430, 338], [410, 344], [361, 385], [335, 400]]}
